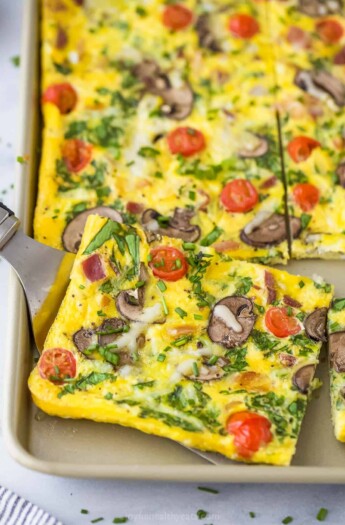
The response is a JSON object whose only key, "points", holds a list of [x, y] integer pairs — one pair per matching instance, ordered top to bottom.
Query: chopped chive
{"points": [[15, 60], [192, 195], [188, 246], [149, 258], [178, 263], [139, 284], [301, 284], [161, 285], [82, 287], [165, 307], [289, 311], [180, 312], [100, 313], [198, 317], [181, 340], [110, 346], [91, 348], [166, 349], [161, 357], [213, 360], [195, 369], [56, 370], [108, 396], [208, 489], [84, 511], [201, 514], [252, 514], [322, 514], [97, 520], [120, 520], [287, 520]]}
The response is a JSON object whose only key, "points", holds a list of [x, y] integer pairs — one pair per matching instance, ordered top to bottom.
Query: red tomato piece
{"points": [[177, 16], [243, 26], [330, 31], [298, 38], [63, 96], [186, 141], [300, 148], [76, 154], [306, 195], [239, 196], [135, 207], [168, 263], [93, 268], [280, 323], [57, 364], [250, 430]]}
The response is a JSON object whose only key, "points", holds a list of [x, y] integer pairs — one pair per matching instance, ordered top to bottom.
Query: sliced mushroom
{"points": [[316, 8], [206, 36], [149, 73], [319, 83], [177, 102], [257, 148], [340, 171], [178, 226], [269, 230], [73, 232], [130, 303], [231, 322], [315, 324], [114, 326], [83, 339], [336, 350], [287, 359], [210, 372], [303, 377]]}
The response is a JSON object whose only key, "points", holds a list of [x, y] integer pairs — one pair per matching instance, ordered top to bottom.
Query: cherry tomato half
{"points": [[176, 16], [243, 26], [330, 31], [63, 96], [186, 141], [300, 148], [76, 154], [306, 195], [239, 196], [168, 263], [93, 268], [280, 323], [57, 364], [250, 431]]}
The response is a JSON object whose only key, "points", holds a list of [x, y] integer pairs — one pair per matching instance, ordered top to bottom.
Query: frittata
{"points": [[309, 38], [153, 107], [184, 343], [336, 350]]}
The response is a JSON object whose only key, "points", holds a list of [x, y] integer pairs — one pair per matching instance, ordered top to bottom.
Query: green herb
{"points": [[140, 11], [15, 60], [64, 69], [148, 153], [21, 159], [305, 220], [103, 235], [211, 237], [133, 241], [188, 245], [198, 264], [140, 284], [301, 284], [161, 285], [244, 286], [323, 286], [82, 287], [338, 304], [165, 307], [260, 309], [181, 312], [101, 313], [301, 316], [198, 317], [180, 341], [264, 342], [109, 356], [161, 358], [213, 360], [237, 360], [195, 369], [83, 382], [144, 384], [108, 396], [274, 407], [169, 419], [208, 489], [84, 511], [201, 514], [252, 514], [322, 514], [97, 520], [120, 520], [287, 520]]}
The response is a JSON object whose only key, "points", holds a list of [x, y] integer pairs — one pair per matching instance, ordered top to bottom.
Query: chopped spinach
{"points": [[105, 233], [80, 384]]}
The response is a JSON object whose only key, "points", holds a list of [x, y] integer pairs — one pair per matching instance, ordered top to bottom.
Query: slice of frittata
{"points": [[308, 37], [183, 343], [336, 351]]}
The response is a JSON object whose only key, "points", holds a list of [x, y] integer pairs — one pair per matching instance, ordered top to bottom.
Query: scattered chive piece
{"points": [[16, 60], [21, 159], [192, 195], [188, 246], [149, 258], [178, 263], [139, 284], [301, 284], [161, 285], [82, 287], [165, 308], [181, 312], [100, 313], [198, 317], [181, 340], [161, 357], [213, 360], [195, 369], [108, 396], [208, 489], [84, 511], [201, 514], [252, 514], [322, 514], [97, 520], [120, 520], [287, 520]]}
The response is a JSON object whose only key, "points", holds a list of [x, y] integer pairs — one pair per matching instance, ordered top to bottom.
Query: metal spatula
{"points": [[44, 274]]}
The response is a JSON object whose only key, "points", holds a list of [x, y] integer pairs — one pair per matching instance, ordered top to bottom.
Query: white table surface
{"points": [[143, 502]]}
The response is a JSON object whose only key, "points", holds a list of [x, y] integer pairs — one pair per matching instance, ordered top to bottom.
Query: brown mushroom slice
{"points": [[316, 8], [207, 38], [149, 73], [321, 83], [177, 102], [254, 149], [340, 171], [178, 226], [269, 229], [73, 232], [130, 303], [231, 321], [315, 324], [110, 330], [83, 339], [336, 350], [287, 359], [209, 372], [303, 377]]}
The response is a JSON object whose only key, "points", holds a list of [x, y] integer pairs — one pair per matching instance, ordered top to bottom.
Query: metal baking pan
{"points": [[87, 449]]}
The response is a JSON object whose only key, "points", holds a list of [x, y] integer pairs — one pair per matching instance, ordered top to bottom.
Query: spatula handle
{"points": [[9, 224]]}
